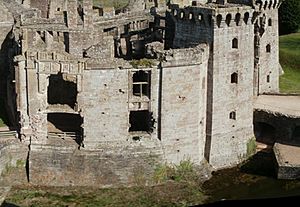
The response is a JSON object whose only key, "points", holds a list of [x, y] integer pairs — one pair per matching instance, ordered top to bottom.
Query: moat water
{"points": [[256, 179]]}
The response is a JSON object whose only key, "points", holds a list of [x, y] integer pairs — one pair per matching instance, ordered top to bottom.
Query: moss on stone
{"points": [[148, 63], [251, 147]]}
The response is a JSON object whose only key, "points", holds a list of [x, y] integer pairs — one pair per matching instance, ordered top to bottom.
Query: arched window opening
{"points": [[275, 3], [266, 5], [270, 5], [175, 12], [181, 15], [191, 16], [199, 17], [246, 17], [228, 19], [237, 19], [270, 22], [235, 43], [268, 48], [234, 78], [232, 115]]}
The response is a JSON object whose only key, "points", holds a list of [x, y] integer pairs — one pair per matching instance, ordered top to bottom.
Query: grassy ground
{"points": [[290, 61], [176, 186], [170, 194]]}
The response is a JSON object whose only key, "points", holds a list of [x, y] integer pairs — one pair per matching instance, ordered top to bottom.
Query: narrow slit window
{"points": [[219, 20], [270, 22], [268, 48], [268, 78]]}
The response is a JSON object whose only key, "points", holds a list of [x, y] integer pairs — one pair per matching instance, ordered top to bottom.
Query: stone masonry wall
{"points": [[190, 21], [269, 61], [104, 102], [183, 112], [12, 153], [113, 164]]}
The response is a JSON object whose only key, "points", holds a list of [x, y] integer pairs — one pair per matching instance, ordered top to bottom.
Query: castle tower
{"points": [[267, 68]]}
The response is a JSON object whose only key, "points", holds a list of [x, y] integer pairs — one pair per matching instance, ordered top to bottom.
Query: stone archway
{"points": [[265, 133]]}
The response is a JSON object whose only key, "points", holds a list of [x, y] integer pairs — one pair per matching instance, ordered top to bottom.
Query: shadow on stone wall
{"points": [[7, 92]]}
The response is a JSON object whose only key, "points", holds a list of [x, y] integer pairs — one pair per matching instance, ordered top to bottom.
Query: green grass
{"points": [[111, 3], [290, 60], [177, 185], [170, 194]]}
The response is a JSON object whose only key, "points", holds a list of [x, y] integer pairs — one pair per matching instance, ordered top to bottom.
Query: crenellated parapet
{"points": [[266, 4], [192, 14], [216, 17], [234, 17]]}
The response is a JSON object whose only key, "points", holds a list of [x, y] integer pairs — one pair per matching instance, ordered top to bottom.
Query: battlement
{"points": [[267, 4], [197, 15], [221, 17], [234, 17]]}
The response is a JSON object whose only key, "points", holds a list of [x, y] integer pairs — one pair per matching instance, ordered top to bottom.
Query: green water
{"points": [[254, 180]]}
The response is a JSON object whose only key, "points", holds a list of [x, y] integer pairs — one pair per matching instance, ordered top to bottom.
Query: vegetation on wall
{"points": [[117, 4], [289, 16], [290, 61], [148, 63], [251, 147], [177, 186]]}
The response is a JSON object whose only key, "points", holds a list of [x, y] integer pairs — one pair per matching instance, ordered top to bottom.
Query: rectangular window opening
{"points": [[141, 83], [140, 121]]}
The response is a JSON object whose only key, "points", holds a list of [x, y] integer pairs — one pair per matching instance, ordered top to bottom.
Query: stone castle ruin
{"points": [[101, 95]]}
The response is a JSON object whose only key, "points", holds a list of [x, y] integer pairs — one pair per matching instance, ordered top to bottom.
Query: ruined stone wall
{"points": [[42, 5], [6, 22], [269, 67], [232, 86], [12, 153]]}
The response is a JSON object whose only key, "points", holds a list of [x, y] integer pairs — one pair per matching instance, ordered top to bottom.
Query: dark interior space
{"points": [[9, 48], [61, 91], [140, 121], [66, 123], [264, 133], [296, 133]]}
